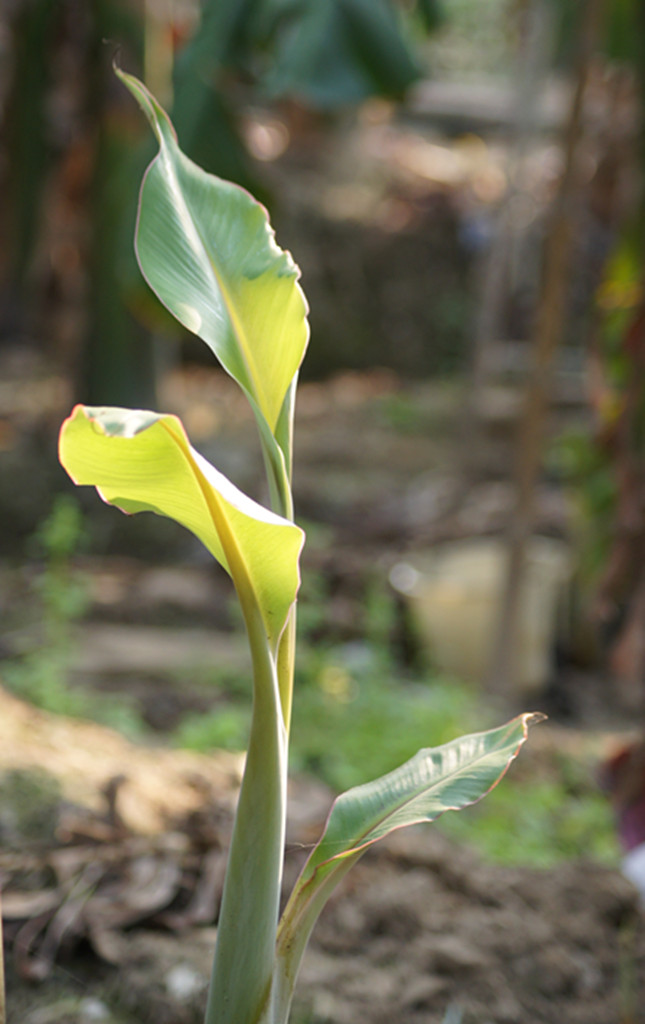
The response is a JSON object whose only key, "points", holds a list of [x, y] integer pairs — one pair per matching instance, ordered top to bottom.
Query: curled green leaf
{"points": [[143, 461]]}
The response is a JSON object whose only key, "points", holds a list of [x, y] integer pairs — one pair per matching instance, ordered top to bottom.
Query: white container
{"points": [[454, 594]]}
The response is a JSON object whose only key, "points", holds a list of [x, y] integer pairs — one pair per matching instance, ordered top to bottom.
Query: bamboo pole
{"points": [[534, 52], [548, 331]]}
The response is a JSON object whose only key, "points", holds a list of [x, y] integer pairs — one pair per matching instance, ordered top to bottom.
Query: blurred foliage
{"points": [[623, 35], [467, 44], [339, 52], [321, 55], [324, 55], [620, 300], [606, 465], [585, 468], [606, 468], [62, 589], [60, 592], [41, 674], [30, 801], [541, 822]]}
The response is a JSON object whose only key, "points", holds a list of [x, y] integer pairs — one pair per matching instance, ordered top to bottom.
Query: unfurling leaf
{"points": [[207, 250]]}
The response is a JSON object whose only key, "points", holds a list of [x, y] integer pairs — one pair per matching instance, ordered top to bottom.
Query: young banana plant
{"points": [[207, 250]]}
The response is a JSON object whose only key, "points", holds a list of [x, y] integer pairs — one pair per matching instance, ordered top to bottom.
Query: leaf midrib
{"points": [[236, 324], [210, 497]]}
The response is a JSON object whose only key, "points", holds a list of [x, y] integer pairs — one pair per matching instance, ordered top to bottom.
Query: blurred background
{"points": [[464, 193]]}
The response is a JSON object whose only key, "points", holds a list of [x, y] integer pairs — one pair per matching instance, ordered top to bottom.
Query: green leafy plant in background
{"points": [[324, 56], [207, 250], [60, 593], [61, 596], [541, 822]]}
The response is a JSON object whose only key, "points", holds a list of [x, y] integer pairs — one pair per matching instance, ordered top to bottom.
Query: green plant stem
{"points": [[279, 473], [286, 667], [296, 926], [242, 970]]}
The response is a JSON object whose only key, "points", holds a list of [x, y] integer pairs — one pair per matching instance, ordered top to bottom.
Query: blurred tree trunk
{"points": [[532, 61], [25, 146], [69, 195], [117, 367]]}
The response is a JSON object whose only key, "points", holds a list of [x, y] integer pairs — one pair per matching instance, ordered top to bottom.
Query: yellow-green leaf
{"points": [[143, 461]]}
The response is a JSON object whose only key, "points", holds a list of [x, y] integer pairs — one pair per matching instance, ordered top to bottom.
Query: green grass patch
{"points": [[377, 718], [539, 823]]}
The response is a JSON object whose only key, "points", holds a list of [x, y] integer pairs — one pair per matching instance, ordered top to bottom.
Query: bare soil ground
{"points": [[107, 923]]}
